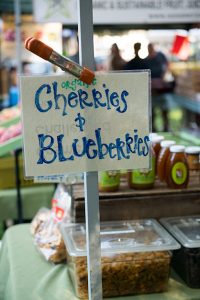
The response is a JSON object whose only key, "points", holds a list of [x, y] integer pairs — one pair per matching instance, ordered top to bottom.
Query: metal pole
{"points": [[17, 6], [18, 35], [86, 57], [17, 153]]}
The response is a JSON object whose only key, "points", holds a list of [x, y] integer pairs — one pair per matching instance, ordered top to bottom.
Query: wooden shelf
{"points": [[136, 204]]}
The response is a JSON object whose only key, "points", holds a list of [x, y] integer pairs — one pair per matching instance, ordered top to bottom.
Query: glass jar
{"points": [[155, 141], [193, 157], [162, 158], [193, 160], [177, 171], [123, 173], [143, 179], [109, 181]]}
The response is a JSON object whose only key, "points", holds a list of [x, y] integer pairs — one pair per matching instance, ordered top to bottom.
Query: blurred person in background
{"points": [[73, 45], [116, 62], [136, 63], [158, 63], [26, 70], [13, 91]]}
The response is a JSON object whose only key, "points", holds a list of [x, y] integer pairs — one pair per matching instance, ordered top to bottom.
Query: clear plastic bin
{"points": [[136, 257], [186, 260]]}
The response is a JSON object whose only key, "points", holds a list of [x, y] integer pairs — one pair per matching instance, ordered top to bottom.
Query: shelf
{"points": [[128, 204]]}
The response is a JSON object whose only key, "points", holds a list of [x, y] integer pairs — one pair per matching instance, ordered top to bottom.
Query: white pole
{"points": [[18, 35], [86, 55]]}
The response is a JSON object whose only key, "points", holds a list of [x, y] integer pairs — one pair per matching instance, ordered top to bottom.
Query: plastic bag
{"points": [[42, 216], [47, 236]]}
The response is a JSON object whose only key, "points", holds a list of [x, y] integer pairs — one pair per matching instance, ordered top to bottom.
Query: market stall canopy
{"points": [[8, 6]]}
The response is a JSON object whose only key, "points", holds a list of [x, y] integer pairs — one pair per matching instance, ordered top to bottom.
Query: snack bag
{"points": [[41, 217], [47, 236]]}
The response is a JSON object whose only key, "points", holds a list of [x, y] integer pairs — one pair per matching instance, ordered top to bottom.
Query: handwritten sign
{"points": [[69, 126]]}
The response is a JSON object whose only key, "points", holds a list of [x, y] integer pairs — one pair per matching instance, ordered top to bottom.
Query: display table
{"points": [[186, 102], [189, 105], [33, 198], [25, 275]]}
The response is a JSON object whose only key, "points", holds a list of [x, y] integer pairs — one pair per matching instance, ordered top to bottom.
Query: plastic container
{"points": [[162, 158], [177, 172], [143, 179], [109, 181], [135, 257], [186, 260]]}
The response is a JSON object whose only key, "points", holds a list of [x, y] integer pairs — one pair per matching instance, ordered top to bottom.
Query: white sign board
{"points": [[121, 11], [69, 126]]}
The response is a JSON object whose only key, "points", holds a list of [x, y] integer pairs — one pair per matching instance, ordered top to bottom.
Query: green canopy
{"points": [[8, 6]]}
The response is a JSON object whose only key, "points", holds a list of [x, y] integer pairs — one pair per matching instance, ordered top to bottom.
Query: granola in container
{"points": [[136, 257]]}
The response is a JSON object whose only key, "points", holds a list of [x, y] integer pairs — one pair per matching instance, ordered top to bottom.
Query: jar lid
{"points": [[152, 134], [156, 138], [167, 143], [177, 148], [192, 150]]}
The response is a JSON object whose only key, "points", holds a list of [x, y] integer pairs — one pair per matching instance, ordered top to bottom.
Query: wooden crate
{"points": [[127, 204]]}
